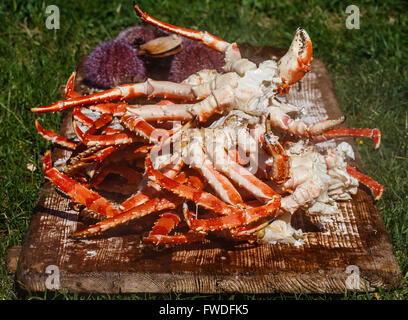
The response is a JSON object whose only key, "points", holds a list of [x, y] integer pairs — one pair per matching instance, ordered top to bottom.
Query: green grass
{"points": [[367, 67]]}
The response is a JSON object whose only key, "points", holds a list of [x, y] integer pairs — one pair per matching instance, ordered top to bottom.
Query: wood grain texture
{"points": [[119, 262]]}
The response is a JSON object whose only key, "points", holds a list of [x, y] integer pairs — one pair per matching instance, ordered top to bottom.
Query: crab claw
{"points": [[296, 62]]}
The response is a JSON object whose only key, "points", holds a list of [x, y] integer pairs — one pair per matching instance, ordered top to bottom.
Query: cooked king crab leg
{"points": [[203, 37], [149, 88], [322, 130], [374, 134], [55, 138], [131, 175], [240, 175], [221, 185], [376, 188], [148, 189], [76, 191], [160, 201], [232, 216], [166, 223]]}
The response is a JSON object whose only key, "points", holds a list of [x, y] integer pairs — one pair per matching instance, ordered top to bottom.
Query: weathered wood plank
{"points": [[121, 263]]}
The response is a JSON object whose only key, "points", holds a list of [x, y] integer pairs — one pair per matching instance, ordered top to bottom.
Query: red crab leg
{"points": [[203, 37], [69, 88], [150, 88], [218, 101], [115, 109], [156, 112], [79, 116], [103, 120], [138, 125], [299, 128], [78, 131], [109, 131], [374, 134], [55, 138], [112, 139], [128, 153], [100, 155], [280, 166], [240, 175], [132, 176], [221, 185], [373, 185], [149, 189], [76, 191], [201, 198], [150, 206], [242, 217], [167, 222], [189, 237]]}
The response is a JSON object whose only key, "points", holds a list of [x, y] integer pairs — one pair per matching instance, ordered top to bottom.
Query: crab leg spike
{"points": [[374, 134], [55, 138], [376, 188], [76, 191]]}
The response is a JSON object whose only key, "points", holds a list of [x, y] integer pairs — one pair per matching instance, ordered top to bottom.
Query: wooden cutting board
{"points": [[348, 251]]}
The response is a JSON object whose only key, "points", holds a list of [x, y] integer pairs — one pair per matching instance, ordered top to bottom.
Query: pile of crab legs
{"points": [[235, 203]]}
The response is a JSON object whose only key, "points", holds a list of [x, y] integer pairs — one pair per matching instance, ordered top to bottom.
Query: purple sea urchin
{"points": [[137, 35], [193, 58], [113, 63]]}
